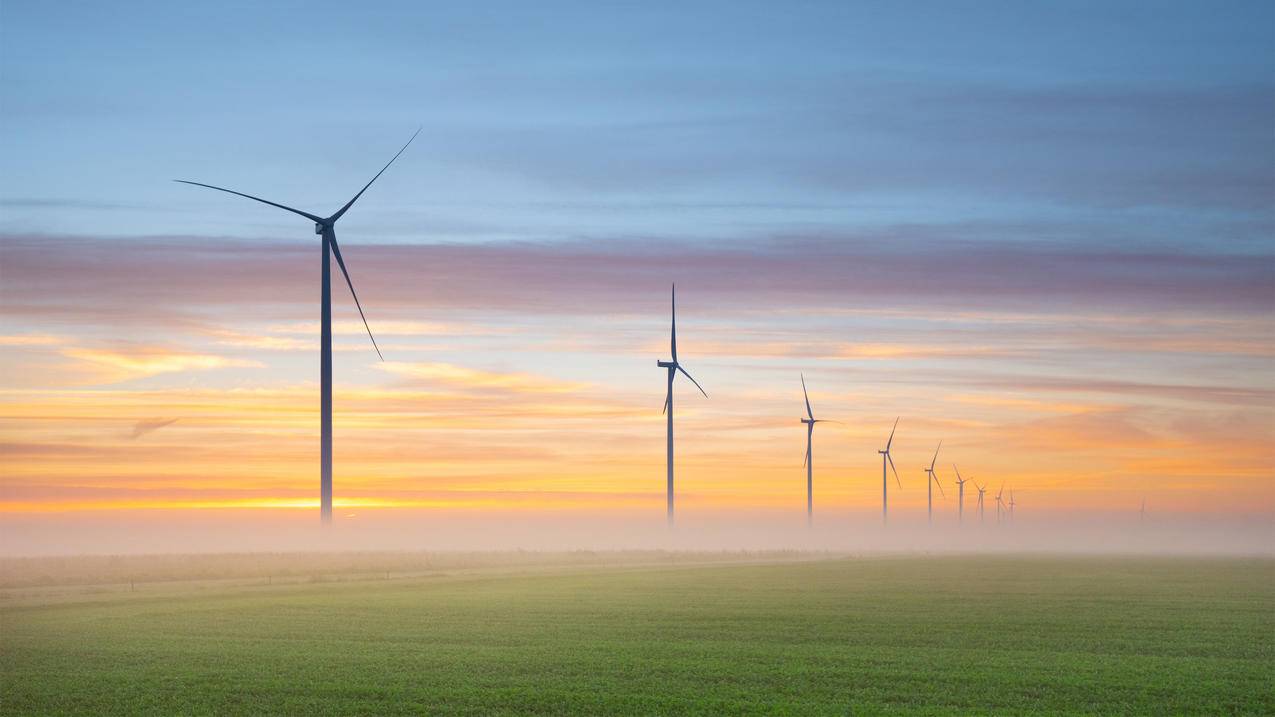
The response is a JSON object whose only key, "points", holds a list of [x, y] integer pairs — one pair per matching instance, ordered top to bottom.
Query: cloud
{"points": [[1096, 144], [62, 203], [179, 281], [381, 328], [30, 340], [267, 343], [823, 348], [126, 363], [476, 379], [1255, 396], [1022, 404], [141, 428], [1090, 431]]}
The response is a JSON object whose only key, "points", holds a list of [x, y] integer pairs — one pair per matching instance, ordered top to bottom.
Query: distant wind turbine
{"points": [[326, 227], [673, 367], [810, 422], [885, 458], [931, 481], [981, 491], [960, 501], [999, 503], [1011, 506], [1142, 512]]}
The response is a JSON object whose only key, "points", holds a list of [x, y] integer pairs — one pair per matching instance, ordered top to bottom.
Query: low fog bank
{"points": [[266, 531], [132, 571]]}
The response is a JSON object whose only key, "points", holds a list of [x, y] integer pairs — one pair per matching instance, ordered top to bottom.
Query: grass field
{"points": [[922, 635]]}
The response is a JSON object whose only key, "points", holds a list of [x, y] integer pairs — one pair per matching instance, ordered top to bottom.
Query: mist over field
{"points": [[216, 531]]}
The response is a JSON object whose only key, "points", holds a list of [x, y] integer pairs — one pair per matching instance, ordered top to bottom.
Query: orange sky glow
{"points": [[533, 413]]}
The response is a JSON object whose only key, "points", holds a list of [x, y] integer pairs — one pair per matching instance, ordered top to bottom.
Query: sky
{"points": [[1040, 233]]}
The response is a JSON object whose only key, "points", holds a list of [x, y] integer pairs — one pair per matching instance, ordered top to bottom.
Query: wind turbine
{"points": [[326, 227], [673, 367], [810, 422], [885, 458], [930, 482], [981, 491], [960, 501], [999, 503], [1011, 506], [1142, 512]]}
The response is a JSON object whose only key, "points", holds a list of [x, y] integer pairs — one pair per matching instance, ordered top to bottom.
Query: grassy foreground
{"points": [[960, 635]]}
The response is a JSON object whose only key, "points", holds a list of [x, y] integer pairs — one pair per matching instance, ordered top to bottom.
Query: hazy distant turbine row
{"points": [[1004, 509]]}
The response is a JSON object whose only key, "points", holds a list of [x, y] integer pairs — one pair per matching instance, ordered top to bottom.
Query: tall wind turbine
{"points": [[326, 227], [673, 367], [810, 422], [885, 458], [930, 482], [981, 491], [960, 501], [999, 504], [1011, 506], [1142, 512]]}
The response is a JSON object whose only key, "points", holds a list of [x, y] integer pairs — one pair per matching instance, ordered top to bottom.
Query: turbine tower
{"points": [[326, 228], [673, 367], [810, 422], [885, 458], [930, 482], [981, 491], [960, 500]]}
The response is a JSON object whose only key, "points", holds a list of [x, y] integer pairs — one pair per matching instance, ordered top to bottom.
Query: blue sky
{"points": [[1132, 122]]}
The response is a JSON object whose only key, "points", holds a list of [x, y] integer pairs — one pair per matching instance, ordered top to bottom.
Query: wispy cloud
{"points": [[908, 267], [381, 328], [31, 340], [263, 341], [112, 365], [462, 377], [141, 428]]}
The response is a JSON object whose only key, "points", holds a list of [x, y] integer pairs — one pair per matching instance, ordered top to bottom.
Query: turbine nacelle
{"points": [[672, 365]]}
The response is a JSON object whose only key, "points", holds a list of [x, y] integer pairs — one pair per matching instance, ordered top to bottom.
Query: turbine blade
{"points": [[350, 203], [307, 215], [336, 252], [673, 333], [692, 378], [667, 399], [809, 412], [892, 430], [936, 456], [896, 472], [958, 473], [939, 484]]}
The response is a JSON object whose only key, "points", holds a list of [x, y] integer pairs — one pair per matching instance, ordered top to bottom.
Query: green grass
{"points": [[933, 635]]}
